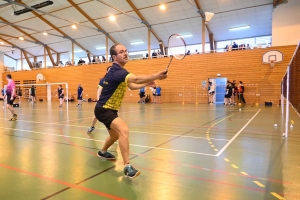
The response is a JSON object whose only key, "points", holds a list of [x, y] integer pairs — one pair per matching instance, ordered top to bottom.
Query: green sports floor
{"points": [[184, 152]]}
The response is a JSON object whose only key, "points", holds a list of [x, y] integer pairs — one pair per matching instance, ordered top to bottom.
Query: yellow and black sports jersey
{"points": [[114, 87]]}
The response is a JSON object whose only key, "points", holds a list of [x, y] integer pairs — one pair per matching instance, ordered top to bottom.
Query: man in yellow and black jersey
{"points": [[106, 111]]}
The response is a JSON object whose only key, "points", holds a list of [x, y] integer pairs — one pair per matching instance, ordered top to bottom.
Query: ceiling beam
{"points": [[278, 2], [202, 15], [91, 20], [144, 21], [54, 27], [31, 37], [14, 46], [50, 55], [10, 57], [27, 58]]}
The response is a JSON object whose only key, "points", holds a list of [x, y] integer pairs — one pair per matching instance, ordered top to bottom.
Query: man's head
{"points": [[119, 54], [8, 76], [79, 85]]}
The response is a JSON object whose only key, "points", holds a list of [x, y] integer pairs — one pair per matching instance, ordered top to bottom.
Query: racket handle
{"points": [[166, 71]]}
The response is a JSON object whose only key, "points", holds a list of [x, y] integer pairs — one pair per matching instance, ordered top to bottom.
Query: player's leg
{"points": [[9, 106], [94, 120], [119, 129]]}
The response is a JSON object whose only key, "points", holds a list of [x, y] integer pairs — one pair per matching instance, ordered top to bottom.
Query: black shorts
{"points": [[211, 92], [142, 94], [154, 94], [33, 95], [158, 95], [61, 96], [228, 96], [79, 98], [10, 102], [106, 116]]}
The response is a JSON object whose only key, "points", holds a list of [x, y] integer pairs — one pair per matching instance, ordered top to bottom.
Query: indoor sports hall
{"points": [[213, 114]]}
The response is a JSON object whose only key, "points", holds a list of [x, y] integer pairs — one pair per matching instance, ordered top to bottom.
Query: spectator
{"points": [[235, 46], [248, 46], [226, 48], [197, 51], [188, 52], [154, 54], [147, 55], [94, 59], [103, 59], [97, 60], [81, 62], [241, 89], [211, 92], [32, 94], [142, 95]]}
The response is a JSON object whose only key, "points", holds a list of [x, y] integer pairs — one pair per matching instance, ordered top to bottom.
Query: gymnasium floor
{"points": [[183, 151]]}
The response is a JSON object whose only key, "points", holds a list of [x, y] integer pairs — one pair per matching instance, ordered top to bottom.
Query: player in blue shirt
{"points": [[158, 94], [79, 95], [106, 110]]}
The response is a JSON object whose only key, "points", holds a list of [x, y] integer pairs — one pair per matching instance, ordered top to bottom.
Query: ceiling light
{"points": [[162, 7], [112, 18], [74, 26], [238, 28], [45, 33], [188, 35], [21, 38], [1, 42], [135, 43], [100, 47], [76, 51]]}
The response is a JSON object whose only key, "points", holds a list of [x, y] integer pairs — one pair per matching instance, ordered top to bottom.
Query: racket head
{"points": [[177, 46]]}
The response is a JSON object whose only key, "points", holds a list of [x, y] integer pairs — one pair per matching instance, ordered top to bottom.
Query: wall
{"points": [[286, 24], [1, 68], [185, 77]]}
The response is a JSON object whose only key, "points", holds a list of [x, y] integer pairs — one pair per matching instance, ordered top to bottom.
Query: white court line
{"points": [[237, 134], [171, 135], [142, 146]]}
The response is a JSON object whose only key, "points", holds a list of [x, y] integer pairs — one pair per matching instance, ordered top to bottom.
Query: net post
{"points": [[67, 88], [256, 94], [287, 102]]}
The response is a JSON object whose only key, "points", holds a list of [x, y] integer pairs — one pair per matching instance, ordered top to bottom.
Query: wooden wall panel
{"points": [[184, 76]]}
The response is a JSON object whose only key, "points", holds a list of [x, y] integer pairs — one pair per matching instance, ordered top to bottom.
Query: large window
{"points": [[253, 42]]}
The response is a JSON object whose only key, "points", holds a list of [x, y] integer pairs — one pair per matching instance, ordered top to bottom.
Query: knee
{"points": [[124, 133]]}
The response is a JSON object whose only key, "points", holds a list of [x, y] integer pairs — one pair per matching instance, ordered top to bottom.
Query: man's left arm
{"points": [[13, 93]]}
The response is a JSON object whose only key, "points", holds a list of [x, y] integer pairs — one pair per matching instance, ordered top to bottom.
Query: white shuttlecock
{"points": [[240, 109], [275, 125], [291, 126], [283, 134]]}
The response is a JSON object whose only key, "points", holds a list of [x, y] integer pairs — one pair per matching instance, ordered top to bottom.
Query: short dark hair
{"points": [[112, 50], [8, 76], [241, 82], [60, 86]]}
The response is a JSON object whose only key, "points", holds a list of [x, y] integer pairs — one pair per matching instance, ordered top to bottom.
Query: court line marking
{"points": [[237, 134], [171, 135], [142, 146], [234, 166], [244, 173], [258, 183], [71, 185], [277, 195]]}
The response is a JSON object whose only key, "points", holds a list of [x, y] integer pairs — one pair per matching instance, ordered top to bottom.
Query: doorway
{"points": [[220, 84]]}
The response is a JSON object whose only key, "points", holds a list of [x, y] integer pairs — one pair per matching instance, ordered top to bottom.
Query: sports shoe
{"points": [[14, 118], [90, 130], [106, 155], [131, 172]]}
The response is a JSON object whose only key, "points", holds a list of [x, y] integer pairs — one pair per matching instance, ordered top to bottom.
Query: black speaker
{"points": [[268, 103], [16, 105]]}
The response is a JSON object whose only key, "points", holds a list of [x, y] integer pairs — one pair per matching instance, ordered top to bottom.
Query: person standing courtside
{"points": [[100, 86], [241, 90], [60, 92], [32, 94], [79, 95], [11, 96], [106, 110]]}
